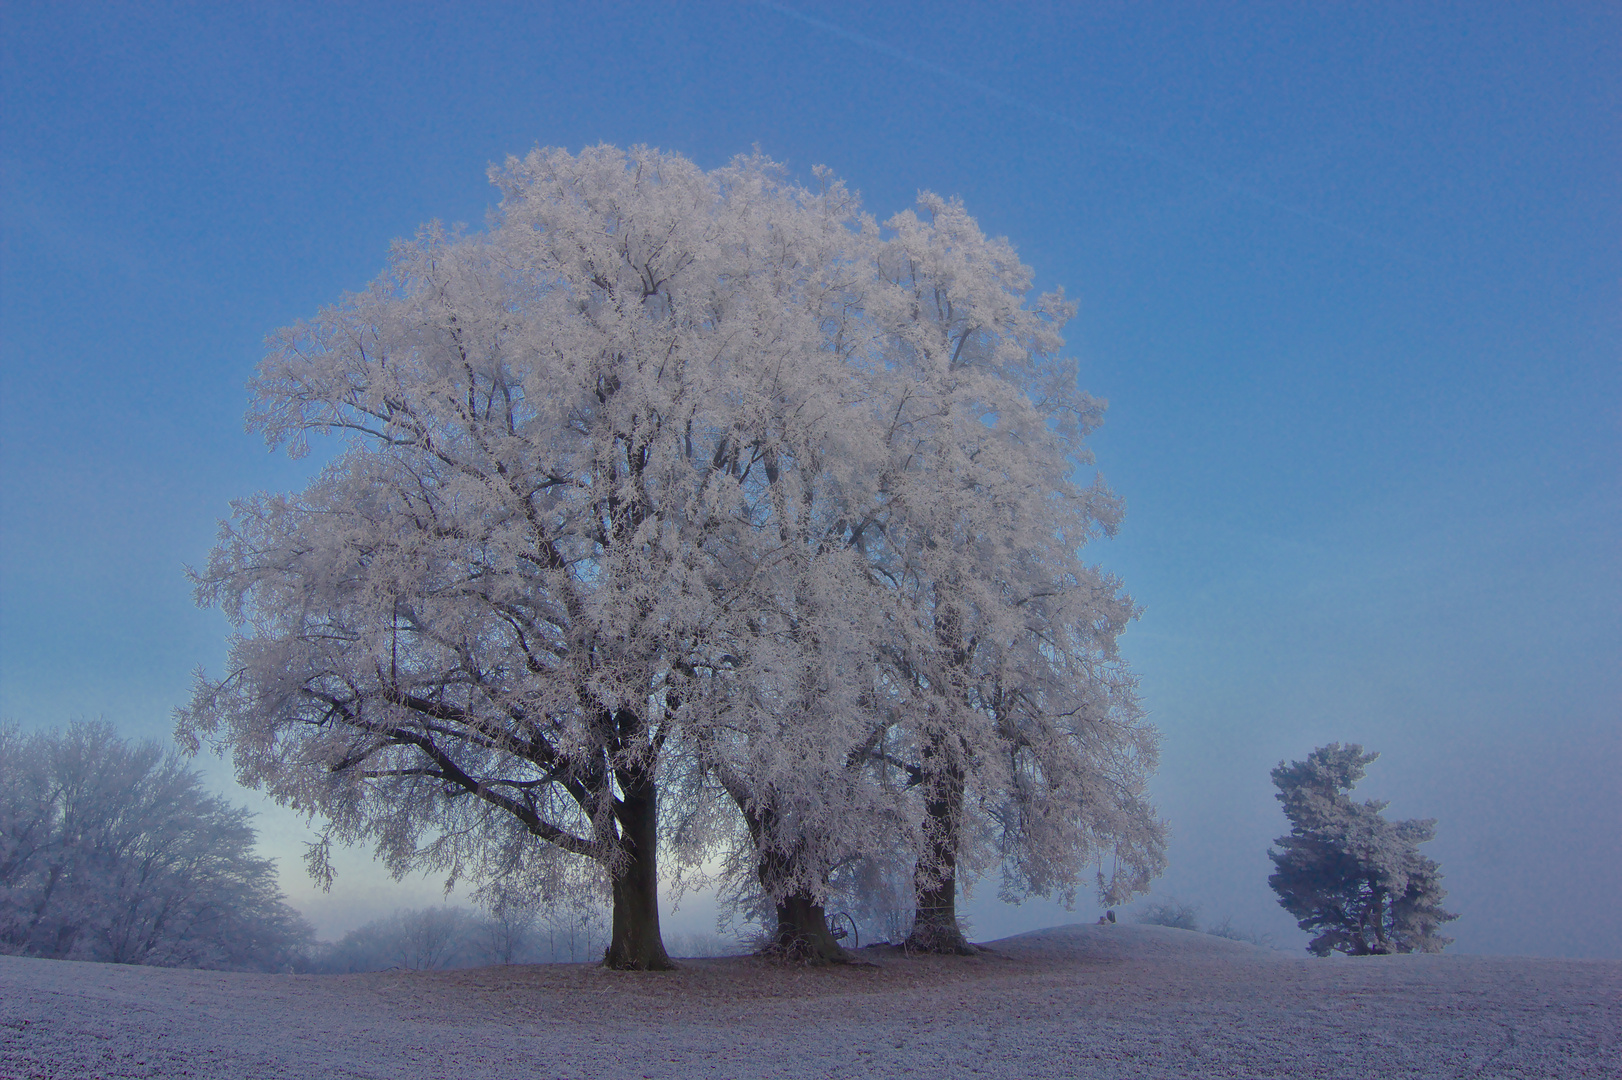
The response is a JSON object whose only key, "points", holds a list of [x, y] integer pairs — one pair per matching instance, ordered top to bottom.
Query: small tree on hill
{"points": [[1347, 873], [1173, 913]]}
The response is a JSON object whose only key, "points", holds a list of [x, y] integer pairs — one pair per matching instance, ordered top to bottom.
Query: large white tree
{"points": [[696, 483], [471, 640], [978, 711], [1015, 715]]}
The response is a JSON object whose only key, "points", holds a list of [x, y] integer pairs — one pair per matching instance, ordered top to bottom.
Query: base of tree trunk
{"points": [[934, 922], [803, 936], [938, 938], [635, 943], [628, 960]]}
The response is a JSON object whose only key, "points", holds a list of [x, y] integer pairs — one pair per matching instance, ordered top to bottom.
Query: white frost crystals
{"points": [[678, 484], [115, 852]]}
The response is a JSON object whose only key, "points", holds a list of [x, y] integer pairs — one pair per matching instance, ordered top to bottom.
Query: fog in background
{"points": [[1348, 277]]}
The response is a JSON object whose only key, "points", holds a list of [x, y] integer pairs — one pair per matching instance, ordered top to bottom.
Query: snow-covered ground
{"points": [[1075, 1001]]}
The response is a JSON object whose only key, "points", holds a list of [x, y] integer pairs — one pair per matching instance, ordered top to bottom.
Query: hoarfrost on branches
{"points": [[695, 487], [478, 628], [1001, 702], [114, 852]]}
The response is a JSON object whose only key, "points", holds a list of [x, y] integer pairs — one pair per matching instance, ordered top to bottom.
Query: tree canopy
{"points": [[702, 487], [1355, 879]]}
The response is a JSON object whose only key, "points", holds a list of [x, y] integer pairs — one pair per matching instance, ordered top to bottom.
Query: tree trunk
{"points": [[934, 880], [934, 922], [802, 925], [934, 925], [803, 934], [636, 944]]}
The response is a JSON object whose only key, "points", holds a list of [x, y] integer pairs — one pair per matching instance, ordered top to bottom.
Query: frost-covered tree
{"points": [[691, 485], [477, 637], [1009, 707], [976, 712], [791, 756], [115, 852], [1346, 873], [508, 930]]}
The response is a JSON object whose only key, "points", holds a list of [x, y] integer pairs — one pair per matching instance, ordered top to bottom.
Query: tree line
{"points": [[113, 851]]}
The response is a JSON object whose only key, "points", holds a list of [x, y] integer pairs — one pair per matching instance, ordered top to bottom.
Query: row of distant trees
{"points": [[114, 851], [436, 938]]}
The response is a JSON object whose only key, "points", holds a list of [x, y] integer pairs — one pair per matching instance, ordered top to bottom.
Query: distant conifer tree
{"points": [[1345, 872]]}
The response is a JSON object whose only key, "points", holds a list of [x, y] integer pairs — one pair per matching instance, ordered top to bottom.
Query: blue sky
{"points": [[1348, 275]]}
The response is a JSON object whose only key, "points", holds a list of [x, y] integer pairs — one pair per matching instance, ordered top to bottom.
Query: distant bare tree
{"points": [[1171, 912], [1226, 929], [508, 931], [575, 933], [432, 938]]}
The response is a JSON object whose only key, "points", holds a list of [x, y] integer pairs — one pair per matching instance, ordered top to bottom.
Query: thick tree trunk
{"points": [[934, 880], [934, 923], [803, 934], [636, 944]]}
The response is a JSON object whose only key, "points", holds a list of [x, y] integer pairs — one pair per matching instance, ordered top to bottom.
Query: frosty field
{"points": [[1076, 1001]]}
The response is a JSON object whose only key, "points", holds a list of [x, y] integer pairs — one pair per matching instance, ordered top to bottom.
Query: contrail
{"points": [[1135, 146]]}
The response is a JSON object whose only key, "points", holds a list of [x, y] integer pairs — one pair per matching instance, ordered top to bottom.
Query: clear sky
{"points": [[1349, 275]]}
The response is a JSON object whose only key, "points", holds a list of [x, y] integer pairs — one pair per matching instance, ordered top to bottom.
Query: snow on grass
{"points": [[1074, 1001]]}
